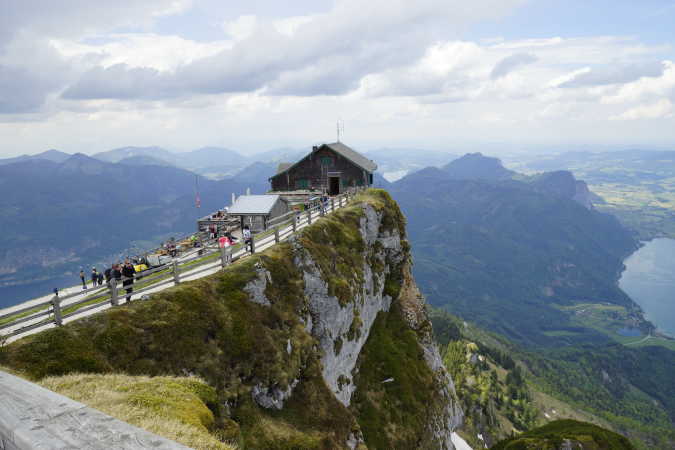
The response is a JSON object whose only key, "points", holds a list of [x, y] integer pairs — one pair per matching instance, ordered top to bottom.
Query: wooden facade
{"points": [[330, 167], [257, 210]]}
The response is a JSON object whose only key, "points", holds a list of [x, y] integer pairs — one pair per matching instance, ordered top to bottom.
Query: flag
{"points": [[198, 201]]}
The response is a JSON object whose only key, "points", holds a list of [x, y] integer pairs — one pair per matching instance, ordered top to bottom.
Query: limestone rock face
{"points": [[256, 288], [342, 330], [272, 397]]}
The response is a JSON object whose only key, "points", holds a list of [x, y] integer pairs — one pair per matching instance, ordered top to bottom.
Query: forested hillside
{"points": [[509, 254], [505, 387]]}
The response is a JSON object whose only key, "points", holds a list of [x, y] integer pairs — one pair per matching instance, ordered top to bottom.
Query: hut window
{"points": [[326, 161], [302, 183]]}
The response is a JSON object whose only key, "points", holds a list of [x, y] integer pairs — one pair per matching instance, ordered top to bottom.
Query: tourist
{"points": [[246, 234], [128, 272], [116, 273], [94, 277], [100, 279], [84, 282]]}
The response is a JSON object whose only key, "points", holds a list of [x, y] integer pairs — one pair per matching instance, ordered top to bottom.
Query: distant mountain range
{"points": [[49, 155], [211, 162], [218, 162], [57, 217], [507, 250]]}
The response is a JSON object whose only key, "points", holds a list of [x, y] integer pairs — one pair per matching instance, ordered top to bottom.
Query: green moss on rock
{"points": [[355, 327], [393, 414], [554, 435]]}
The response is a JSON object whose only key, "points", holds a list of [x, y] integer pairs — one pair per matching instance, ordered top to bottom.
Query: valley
{"points": [[527, 269]]}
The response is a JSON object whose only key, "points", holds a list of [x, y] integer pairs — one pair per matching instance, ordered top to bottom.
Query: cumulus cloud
{"points": [[75, 18], [310, 55], [511, 63], [30, 67], [615, 74], [646, 88], [21, 91], [660, 109]]}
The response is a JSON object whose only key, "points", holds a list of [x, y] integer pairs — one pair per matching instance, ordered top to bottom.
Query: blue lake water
{"points": [[649, 279], [12, 295]]}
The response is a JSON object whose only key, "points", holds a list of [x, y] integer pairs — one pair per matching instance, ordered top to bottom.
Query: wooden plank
{"points": [[32, 417]]}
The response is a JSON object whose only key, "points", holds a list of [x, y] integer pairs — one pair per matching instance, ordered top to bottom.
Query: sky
{"points": [[448, 75]]}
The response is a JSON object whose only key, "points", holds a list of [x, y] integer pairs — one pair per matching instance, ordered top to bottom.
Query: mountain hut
{"points": [[331, 168]]}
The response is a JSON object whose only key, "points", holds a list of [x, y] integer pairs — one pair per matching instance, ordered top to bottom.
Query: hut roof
{"points": [[341, 149], [352, 155], [283, 167], [253, 205]]}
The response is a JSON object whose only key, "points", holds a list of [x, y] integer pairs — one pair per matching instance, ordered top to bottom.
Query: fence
{"points": [[194, 265]]}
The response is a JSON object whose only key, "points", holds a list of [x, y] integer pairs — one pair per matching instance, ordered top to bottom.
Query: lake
{"points": [[649, 279], [12, 295]]}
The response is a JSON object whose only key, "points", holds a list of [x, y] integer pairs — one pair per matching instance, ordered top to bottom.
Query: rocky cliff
{"points": [[320, 342]]}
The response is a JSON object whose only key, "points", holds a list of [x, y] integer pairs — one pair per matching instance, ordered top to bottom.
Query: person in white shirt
{"points": [[246, 234]]}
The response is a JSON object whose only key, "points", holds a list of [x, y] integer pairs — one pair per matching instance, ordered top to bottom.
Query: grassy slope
{"points": [[208, 327], [173, 407], [553, 435]]}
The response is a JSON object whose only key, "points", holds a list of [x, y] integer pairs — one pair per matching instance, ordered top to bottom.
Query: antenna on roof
{"points": [[340, 129]]}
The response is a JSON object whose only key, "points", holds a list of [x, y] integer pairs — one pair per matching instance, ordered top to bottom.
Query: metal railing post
{"points": [[332, 205], [309, 216], [295, 222], [276, 235], [252, 244], [176, 274], [114, 300], [56, 304]]}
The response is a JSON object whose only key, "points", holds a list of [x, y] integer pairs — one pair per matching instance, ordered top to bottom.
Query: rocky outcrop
{"points": [[563, 184], [342, 329]]}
